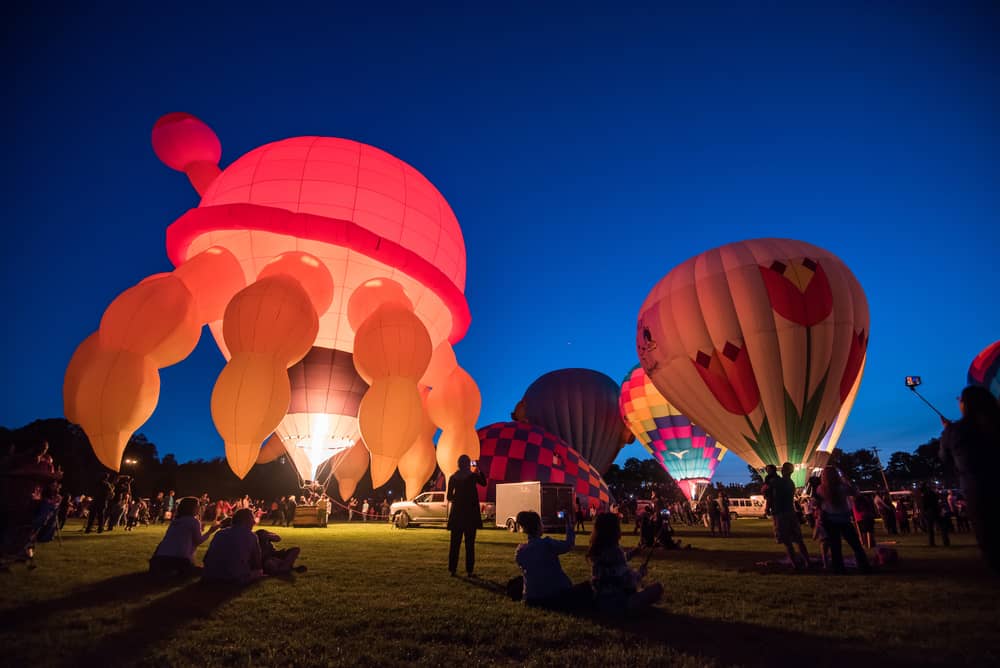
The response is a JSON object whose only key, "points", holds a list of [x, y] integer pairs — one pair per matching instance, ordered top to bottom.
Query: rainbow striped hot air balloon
{"points": [[687, 453]]}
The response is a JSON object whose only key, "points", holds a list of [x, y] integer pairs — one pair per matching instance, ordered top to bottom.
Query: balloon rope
{"points": [[347, 508]]}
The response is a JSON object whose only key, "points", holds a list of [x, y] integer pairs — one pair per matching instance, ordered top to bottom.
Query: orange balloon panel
{"points": [[349, 269], [308, 271], [213, 277], [370, 295], [274, 316], [157, 317], [392, 342], [759, 342], [81, 359], [443, 363], [116, 394], [250, 397], [456, 402], [389, 419], [452, 444], [271, 450], [418, 463], [349, 468]]}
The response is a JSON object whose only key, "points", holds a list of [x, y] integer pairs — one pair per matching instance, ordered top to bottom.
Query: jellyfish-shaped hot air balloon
{"points": [[286, 241], [759, 342], [985, 369], [581, 407], [523, 452], [687, 453]]}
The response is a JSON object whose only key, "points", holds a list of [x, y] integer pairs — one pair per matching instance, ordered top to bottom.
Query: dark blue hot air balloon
{"points": [[579, 406]]}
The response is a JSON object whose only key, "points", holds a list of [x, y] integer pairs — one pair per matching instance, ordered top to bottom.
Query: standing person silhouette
{"points": [[971, 445], [464, 517]]}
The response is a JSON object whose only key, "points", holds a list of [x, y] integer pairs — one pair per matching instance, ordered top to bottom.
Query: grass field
{"points": [[378, 596]]}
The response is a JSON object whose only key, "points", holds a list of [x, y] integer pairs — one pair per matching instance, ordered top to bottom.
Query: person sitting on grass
{"points": [[175, 553], [234, 555], [277, 562], [544, 583], [616, 586]]}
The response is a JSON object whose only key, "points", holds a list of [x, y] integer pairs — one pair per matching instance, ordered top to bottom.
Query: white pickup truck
{"points": [[429, 508]]}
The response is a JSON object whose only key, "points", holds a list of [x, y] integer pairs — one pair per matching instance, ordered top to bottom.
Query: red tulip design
{"points": [[799, 292], [859, 344], [730, 378]]}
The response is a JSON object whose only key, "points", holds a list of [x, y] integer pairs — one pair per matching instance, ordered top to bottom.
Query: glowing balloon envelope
{"points": [[760, 342], [322, 417]]}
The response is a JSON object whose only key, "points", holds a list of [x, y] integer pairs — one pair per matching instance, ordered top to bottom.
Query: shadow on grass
{"points": [[488, 585], [119, 589], [158, 622], [740, 643], [747, 644]]}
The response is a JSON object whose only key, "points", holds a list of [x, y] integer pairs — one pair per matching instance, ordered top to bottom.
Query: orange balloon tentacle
{"points": [[269, 326]]}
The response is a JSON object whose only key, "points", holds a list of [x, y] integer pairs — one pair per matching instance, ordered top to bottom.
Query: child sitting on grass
{"points": [[277, 562], [544, 583], [616, 586]]}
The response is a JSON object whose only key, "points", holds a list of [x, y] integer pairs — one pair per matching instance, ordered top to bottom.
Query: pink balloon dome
{"points": [[347, 180], [365, 213]]}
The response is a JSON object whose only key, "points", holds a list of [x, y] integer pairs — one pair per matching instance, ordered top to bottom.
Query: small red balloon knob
{"points": [[187, 144]]}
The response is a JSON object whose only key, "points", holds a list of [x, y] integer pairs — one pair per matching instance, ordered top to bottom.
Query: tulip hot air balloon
{"points": [[294, 248], [759, 342], [985, 369], [579, 406], [829, 443], [523, 452], [687, 453]]}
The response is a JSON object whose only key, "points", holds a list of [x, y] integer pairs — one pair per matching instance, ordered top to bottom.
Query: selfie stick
{"points": [[914, 390]]}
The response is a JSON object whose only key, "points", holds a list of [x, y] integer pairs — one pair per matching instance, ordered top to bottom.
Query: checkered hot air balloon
{"points": [[985, 369], [522, 452], [688, 454]]}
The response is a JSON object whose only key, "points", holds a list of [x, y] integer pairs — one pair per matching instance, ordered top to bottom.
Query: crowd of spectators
{"points": [[32, 501]]}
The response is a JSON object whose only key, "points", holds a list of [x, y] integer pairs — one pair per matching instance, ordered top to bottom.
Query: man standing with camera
{"points": [[464, 517]]}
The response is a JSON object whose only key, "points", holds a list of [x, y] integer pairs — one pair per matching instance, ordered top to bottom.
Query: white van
{"points": [[752, 507]]}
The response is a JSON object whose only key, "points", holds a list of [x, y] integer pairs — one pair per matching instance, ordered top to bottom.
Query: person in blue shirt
{"points": [[545, 583]]}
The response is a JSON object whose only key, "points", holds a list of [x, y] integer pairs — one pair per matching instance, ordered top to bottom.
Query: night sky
{"points": [[585, 153]]}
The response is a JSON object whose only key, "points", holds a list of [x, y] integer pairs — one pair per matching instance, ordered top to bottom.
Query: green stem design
{"points": [[805, 390]]}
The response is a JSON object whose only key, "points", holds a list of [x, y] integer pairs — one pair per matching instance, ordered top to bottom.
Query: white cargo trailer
{"points": [[546, 499]]}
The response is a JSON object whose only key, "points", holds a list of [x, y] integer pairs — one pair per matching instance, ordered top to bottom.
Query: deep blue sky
{"points": [[585, 153]]}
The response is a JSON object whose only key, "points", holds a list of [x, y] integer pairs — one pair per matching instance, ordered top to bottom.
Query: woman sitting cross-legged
{"points": [[175, 553]]}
